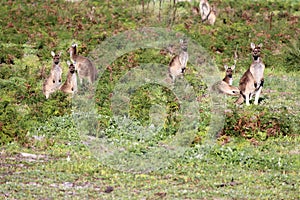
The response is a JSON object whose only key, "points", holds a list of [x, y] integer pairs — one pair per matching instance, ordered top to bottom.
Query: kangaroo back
{"points": [[84, 67], [224, 88]]}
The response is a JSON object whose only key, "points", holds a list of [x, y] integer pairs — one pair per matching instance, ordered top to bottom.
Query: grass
{"points": [[99, 153], [243, 171]]}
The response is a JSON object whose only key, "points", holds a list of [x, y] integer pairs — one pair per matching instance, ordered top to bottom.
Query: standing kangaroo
{"points": [[207, 12], [83, 65], [177, 65], [253, 79], [53, 82], [70, 85], [225, 86]]}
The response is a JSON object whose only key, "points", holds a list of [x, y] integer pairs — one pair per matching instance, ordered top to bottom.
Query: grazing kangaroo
{"points": [[207, 12], [83, 65], [177, 65], [253, 79], [53, 82], [70, 85], [225, 86]]}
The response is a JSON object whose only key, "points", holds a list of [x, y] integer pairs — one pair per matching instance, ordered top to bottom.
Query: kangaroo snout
{"points": [[72, 68]]}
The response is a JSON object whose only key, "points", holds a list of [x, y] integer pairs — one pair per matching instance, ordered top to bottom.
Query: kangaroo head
{"points": [[203, 1], [213, 9], [183, 44], [73, 49], [256, 50], [56, 57], [71, 67], [229, 70]]}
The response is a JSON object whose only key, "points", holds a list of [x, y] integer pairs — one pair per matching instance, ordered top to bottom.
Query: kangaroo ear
{"points": [[213, 8], [74, 45], [260, 45], [252, 46], [52, 53], [59, 53], [68, 63], [226, 67], [232, 67]]}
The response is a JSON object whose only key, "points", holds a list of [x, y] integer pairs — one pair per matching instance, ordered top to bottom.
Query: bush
{"points": [[8, 54], [293, 56], [260, 123], [11, 124]]}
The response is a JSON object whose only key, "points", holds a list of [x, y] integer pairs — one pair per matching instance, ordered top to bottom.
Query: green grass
{"points": [[78, 153], [269, 170]]}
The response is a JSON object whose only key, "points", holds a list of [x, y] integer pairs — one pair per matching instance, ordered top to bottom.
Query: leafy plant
{"points": [[293, 56], [259, 123]]}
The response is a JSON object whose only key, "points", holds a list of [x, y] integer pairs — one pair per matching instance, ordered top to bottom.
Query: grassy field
{"points": [[134, 135]]}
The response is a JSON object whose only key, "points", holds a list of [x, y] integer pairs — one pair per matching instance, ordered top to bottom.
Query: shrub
{"points": [[293, 56], [259, 123]]}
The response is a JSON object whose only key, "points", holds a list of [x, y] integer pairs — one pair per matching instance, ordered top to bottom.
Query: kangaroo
{"points": [[207, 12], [83, 65], [177, 65], [229, 70], [228, 76], [253, 79], [53, 82], [70, 85], [225, 86]]}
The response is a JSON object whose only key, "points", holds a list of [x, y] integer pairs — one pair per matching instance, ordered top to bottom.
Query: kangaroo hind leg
{"points": [[257, 95]]}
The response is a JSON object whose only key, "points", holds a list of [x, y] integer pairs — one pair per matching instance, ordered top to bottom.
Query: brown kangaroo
{"points": [[207, 12], [83, 65], [177, 65], [228, 76], [253, 79], [53, 82], [70, 85], [225, 86]]}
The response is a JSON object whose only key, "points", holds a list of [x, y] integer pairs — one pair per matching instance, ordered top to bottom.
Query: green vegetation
{"points": [[255, 155]]}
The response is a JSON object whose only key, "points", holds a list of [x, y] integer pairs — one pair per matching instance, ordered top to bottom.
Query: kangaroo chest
{"points": [[183, 58], [57, 70], [257, 70], [56, 74], [74, 78], [230, 81], [74, 82]]}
